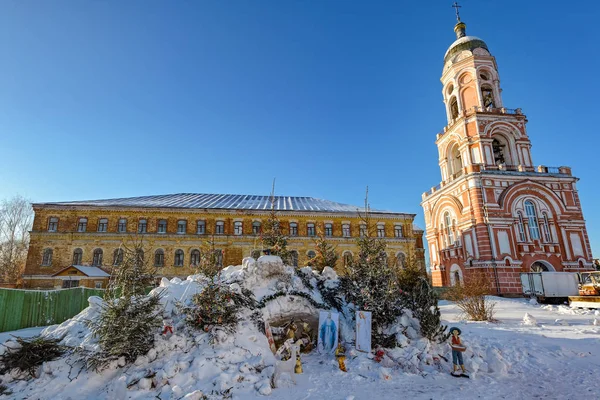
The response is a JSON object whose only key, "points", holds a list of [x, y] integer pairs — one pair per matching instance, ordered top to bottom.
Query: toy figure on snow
{"points": [[457, 357]]}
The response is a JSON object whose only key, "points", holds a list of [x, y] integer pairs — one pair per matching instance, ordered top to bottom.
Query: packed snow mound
{"points": [[529, 320], [192, 363]]}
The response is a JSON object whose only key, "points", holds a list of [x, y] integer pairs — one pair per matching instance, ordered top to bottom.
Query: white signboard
{"points": [[363, 331], [328, 332]]}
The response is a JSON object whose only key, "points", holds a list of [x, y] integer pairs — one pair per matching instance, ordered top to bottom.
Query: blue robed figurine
{"points": [[328, 334]]}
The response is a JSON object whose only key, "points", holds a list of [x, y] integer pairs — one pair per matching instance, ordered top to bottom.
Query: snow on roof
{"points": [[222, 201], [417, 228], [93, 272]]}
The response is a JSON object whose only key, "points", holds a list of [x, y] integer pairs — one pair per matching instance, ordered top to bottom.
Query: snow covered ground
{"points": [[555, 354], [549, 361]]}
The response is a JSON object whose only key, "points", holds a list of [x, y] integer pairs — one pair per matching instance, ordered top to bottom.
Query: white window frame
{"points": [[53, 224], [82, 225], [103, 225], [161, 227], [182, 227], [220, 228], [238, 228]]}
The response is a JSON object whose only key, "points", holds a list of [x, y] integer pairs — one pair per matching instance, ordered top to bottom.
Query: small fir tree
{"points": [[272, 235], [326, 254], [209, 264], [371, 284], [419, 297], [129, 318]]}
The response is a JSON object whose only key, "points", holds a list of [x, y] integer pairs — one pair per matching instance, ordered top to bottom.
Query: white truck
{"points": [[550, 286]]}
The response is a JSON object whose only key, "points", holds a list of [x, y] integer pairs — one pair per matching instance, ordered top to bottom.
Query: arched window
{"points": [[487, 95], [453, 108], [498, 150], [455, 161], [532, 220], [52, 224], [102, 224], [82, 225], [142, 226], [162, 226], [122, 227], [182, 227], [201, 227], [520, 227], [220, 228], [237, 228], [546, 228], [293, 229], [310, 229], [328, 229], [346, 230], [363, 230], [380, 230], [398, 231], [449, 231], [256, 254], [139, 255], [179, 255], [311, 255], [77, 256], [118, 257], [219, 257], [347, 257], [384, 257], [47, 258], [97, 258], [159, 258], [195, 258], [294, 258], [400, 260], [539, 267], [456, 275]]}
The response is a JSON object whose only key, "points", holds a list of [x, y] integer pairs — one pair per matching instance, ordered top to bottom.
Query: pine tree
{"points": [[272, 235], [326, 254], [209, 264], [371, 284], [419, 297], [426, 310], [129, 318]]}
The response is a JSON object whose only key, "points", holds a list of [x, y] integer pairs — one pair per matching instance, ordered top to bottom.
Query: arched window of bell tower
{"points": [[487, 96], [453, 107], [498, 150], [454, 159]]}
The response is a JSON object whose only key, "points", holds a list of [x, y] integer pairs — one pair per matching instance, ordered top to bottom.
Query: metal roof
{"points": [[223, 202], [92, 272]]}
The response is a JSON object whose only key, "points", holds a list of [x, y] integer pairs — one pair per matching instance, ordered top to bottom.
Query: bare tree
{"points": [[16, 218]]}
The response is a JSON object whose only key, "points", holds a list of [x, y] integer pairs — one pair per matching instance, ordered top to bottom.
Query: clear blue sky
{"points": [[102, 99]]}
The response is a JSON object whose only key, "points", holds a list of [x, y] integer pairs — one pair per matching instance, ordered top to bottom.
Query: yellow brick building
{"points": [[173, 227]]}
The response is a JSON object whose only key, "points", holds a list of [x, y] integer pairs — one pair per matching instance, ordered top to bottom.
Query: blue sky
{"points": [[104, 99]]}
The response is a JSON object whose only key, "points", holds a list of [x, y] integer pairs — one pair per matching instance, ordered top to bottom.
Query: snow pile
{"points": [[529, 320], [216, 363]]}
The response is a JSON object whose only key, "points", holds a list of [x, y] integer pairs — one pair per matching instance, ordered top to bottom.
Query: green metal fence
{"points": [[28, 308]]}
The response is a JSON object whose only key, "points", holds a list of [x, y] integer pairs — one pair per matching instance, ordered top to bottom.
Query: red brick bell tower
{"points": [[495, 211]]}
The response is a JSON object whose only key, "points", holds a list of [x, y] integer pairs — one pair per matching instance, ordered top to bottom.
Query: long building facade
{"points": [[495, 211], [174, 227]]}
